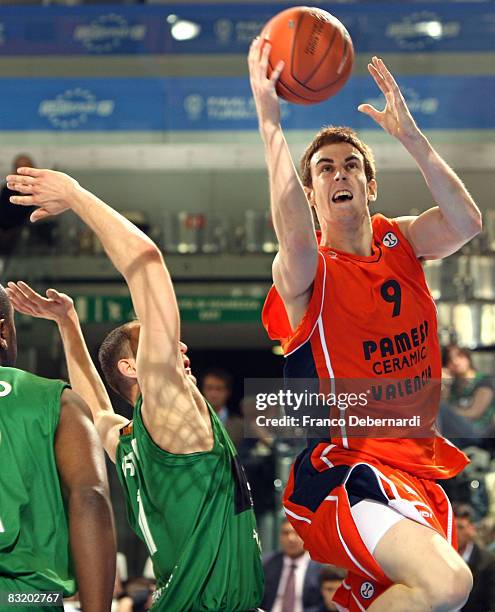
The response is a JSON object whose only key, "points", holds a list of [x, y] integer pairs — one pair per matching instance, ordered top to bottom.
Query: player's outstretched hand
{"points": [[263, 87], [395, 118], [49, 190], [56, 306]]}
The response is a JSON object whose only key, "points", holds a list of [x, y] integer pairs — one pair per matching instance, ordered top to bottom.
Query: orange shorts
{"points": [[325, 482]]}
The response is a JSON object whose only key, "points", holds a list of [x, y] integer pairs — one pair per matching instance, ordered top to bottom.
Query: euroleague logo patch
{"points": [[390, 240], [367, 590]]}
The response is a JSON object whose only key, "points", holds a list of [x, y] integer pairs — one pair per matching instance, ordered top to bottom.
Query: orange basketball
{"points": [[317, 51]]}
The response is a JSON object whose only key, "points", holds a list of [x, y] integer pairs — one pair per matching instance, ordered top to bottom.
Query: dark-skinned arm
{"points": [[81, 465]]}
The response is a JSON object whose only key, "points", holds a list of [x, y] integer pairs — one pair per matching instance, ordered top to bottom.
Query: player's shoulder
{"points": [[381, 222], [393, 234], [23, 377]]}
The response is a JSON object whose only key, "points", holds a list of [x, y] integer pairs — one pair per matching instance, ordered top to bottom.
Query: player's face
{"points": [[340, 189], [187, 362], [128, 366]]}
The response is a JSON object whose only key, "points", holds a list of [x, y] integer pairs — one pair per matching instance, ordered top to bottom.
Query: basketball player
{"points": [[346, 308], [186, 493], [56, 522]]}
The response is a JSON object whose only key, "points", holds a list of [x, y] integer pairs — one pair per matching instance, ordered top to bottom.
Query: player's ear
{"points": [[372, 190], [309, 193], [127, 367]]}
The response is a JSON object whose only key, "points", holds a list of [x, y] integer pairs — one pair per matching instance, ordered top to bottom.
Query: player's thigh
{"points": [[417, 556]]}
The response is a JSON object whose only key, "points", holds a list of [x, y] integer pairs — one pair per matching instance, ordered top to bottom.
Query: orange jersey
{"points": [[373, 319]]}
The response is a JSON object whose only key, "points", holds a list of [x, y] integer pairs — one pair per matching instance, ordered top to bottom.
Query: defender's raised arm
{"points": [[160, 371]]}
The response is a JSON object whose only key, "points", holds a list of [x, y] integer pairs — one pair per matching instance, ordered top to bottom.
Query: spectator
{"points": [[12, 218], [217, 388], [471, 392], [486, 533], [480, 561], [291, 578], [330, 579], [138, 596]]}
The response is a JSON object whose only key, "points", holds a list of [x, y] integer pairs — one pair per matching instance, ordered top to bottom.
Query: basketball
{"points": [[317, 51]]}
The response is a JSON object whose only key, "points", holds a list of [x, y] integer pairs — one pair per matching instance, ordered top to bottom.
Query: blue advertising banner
{"points": [[375, 27], [436, 102], [82, 104], [197, 104]]}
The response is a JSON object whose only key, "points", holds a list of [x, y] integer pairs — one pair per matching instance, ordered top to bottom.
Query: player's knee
{"points": [[450, 589]]}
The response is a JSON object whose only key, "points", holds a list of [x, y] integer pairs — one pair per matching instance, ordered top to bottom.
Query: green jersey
{"points": [[194, 513], [34, 532]]}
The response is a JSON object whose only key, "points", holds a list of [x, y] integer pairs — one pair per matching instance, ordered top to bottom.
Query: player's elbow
{"points": [[478, 222], [473, 224], [466, 227], [299, 241], [148, 251], [142, 255], [94, 493], [90, 499]]}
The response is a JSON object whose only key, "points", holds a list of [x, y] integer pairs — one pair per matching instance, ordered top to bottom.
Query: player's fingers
{"points": [[253, 50], [265, 56], [386, 74], [274, 77], [378, 78], [371, 111], [29, 171], [17, 178], [20, 187], [22, 200], [39, 213], [16, 290], [29, 291], [53, 294], [19, 299], [31, 299], [19, 306]]}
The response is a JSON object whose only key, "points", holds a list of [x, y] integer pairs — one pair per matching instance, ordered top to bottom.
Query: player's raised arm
{"points": [[442, 230], [295, 265], [83, 375], [173, 411], [82, 470]]}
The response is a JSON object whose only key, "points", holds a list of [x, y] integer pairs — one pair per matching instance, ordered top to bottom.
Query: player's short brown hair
{"points": [[334, 135], [120, 343]]}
